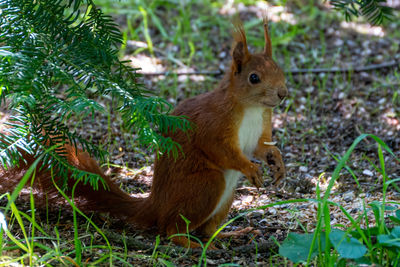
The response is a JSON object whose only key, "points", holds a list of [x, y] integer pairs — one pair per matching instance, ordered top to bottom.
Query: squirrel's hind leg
{"points": [[188, 205], [210, 226], [181, 239]]}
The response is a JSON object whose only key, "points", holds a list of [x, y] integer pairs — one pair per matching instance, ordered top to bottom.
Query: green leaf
{"points": [[376, 208], [394, 219], [370, 231], [391, 240], [297, 246], [348, 247], [165, 262]]}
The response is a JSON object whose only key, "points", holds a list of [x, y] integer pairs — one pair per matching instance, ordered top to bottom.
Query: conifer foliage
{"points": [[375, 11], [54, 54]]}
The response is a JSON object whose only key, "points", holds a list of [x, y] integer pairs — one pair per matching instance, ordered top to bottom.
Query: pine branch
{"points": [[375, 11], [53, 55]]}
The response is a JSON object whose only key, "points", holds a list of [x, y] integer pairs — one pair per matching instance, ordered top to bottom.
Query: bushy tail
{"points": [[113, 200]]}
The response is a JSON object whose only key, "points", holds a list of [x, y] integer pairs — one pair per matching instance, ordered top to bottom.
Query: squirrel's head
{"points": [[255, 78]]}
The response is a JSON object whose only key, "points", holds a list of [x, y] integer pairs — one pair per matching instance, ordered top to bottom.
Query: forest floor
{"points": [[314, 127]]}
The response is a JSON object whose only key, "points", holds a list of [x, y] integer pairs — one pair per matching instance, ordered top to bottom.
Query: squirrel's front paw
{"points": [[273, 158], [254, 175]]}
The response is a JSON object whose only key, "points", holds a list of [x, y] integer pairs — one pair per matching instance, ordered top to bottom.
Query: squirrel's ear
{"points": [[268, 46], [240, 53]]}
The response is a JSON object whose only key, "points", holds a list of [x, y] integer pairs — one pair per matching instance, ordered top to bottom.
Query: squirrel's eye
{"points": [[254, 78]]}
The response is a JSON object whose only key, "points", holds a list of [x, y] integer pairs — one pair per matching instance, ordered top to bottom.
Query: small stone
{"points": [[338, 42], [351, 43], [366, 52], [222, 54], [379, 59], [309, 89], [172, 100], [303, 100], [303, 169], [368, 172], [348, 196], [247, 200], [236, 203], [272, 211], [256, 214], [210, 261]]}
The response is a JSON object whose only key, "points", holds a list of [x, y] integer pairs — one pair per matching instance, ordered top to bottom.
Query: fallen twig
{"points": [[139, 44], [390, 64], [188, 73]]}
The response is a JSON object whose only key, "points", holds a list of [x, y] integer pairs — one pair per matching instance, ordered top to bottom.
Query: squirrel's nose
{"points": [[282, 92]]}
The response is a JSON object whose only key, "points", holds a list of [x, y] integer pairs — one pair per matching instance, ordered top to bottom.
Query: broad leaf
{"points": [[394, 219], [391, 240], [296, 247], [348, 247]]}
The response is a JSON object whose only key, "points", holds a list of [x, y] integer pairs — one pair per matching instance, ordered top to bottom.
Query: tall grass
{"points": [[331, 246], [32, 251]]}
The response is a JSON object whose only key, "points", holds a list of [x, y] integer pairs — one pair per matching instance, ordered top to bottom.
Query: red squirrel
{"points": [[230, 125]]}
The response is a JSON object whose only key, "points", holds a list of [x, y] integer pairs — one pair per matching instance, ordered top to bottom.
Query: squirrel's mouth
{"points": [[268, 104]]}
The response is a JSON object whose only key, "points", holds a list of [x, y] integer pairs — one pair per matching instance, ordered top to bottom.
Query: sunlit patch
{"points": [[275, 13], [278, 13], [363, 28], [146, 64], [154, 66], [185, 69], [3, 119], [391, 119], [279, 120], [322, 181], [3, 222]]}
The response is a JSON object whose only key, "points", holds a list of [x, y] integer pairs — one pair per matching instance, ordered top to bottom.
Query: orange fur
{"points": [[200, 184]]}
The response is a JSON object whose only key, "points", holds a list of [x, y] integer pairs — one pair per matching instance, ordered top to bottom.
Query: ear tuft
{"points": [[268, 46], [240, 53], [238, 56]]}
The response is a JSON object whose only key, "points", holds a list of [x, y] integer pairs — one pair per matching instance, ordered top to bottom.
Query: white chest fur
{"points": [[250, 131]]}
